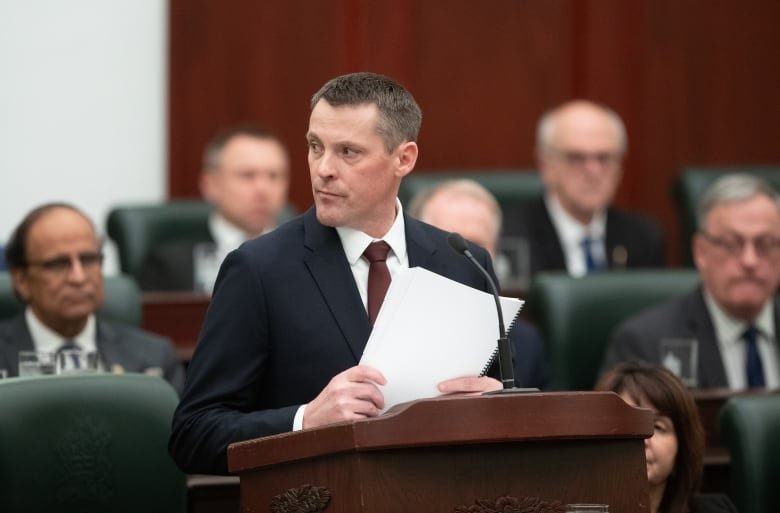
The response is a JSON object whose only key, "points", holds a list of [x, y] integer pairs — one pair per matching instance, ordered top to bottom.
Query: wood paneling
{"points": [[695, 81]]}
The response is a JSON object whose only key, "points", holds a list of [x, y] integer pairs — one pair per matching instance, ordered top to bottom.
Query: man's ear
{"points": [[407, 158], [206, 185], [698, 249], [21, 282]]}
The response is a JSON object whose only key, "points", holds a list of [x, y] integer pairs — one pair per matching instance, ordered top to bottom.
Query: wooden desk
{"points": [[176, 315]]}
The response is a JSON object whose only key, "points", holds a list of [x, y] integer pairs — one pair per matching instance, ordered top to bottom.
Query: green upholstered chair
{"points": [[691, 184], [511, 187], [136, 229], [122, 299], [578, 315], [750, 427], [88, 443]]}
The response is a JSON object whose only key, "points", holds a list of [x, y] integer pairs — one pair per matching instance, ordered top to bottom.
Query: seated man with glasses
{"points": [[580, 148], [55, 261], [734, 314]]}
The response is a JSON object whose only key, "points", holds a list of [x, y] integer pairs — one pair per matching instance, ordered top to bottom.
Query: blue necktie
{"points": [[591, 265], [70, 345], [754, 368]]}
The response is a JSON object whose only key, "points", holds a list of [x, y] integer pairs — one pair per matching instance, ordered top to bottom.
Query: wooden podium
{"points": [[528, 452]]}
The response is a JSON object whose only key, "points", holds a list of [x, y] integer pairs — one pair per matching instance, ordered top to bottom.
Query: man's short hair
{"points": [[399, 115], [545, 128], [213, 151], [462, 187], [730, 188], [16, 250]]}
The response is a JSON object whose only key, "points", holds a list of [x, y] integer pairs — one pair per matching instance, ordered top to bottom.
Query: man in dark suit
{"points": [[580, 148], [246, 177], [466, 207], [56, 266], [733, 316], [288, 322]]}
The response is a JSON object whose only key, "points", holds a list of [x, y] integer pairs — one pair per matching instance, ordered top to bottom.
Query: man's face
{"points": [[582, 165], [354, 179], [249, 187], [464, 214], [738, 255], [63, 282]]}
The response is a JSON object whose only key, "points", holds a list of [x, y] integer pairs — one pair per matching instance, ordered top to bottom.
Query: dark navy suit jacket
{"points": [[632, 241], [687, 316], [285, 317], [118, 344]]}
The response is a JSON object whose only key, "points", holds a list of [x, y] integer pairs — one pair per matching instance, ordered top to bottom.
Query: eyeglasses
{"points": [[580, 158], [765, 246], [63, 264]]}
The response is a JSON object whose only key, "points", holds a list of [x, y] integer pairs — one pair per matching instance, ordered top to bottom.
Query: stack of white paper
{"points": [[430, 329]]}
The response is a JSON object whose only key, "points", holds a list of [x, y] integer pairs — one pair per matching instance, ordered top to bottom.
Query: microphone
{"points": [[506, 369]]}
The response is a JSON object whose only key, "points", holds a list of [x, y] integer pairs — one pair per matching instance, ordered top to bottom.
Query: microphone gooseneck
{"points": [[458, 243]]}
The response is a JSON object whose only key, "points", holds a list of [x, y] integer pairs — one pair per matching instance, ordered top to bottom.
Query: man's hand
{"points": [[471, 385], [353, 394]]}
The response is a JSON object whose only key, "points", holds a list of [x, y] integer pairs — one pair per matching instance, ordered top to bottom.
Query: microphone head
{"points": [[457, 242]]}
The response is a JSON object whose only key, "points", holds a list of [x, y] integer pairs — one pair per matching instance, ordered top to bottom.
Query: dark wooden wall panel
{"points": [[695, 81]]}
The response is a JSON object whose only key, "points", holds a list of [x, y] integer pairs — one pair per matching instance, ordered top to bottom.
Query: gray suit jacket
{"points": [[685, 317], [132, 349]]}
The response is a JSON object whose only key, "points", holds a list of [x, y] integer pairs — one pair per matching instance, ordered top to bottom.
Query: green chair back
{"points": [[691, 184], [511, 187], [137, 229], [122, 299], [578, 315], [750, 426], [89, 443]]}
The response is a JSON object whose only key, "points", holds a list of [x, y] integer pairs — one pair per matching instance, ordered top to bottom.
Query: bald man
{"points": [[580, 148], [465, 207], [55, 262]]}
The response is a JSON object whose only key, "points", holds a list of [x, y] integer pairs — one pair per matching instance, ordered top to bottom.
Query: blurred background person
{"points": [[579, 149], [246, 176], [466, 207], [55, 261], [733, 315], [675, 452]]}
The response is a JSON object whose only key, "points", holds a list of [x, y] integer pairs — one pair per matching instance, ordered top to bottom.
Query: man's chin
{"points": [[327, 218]]}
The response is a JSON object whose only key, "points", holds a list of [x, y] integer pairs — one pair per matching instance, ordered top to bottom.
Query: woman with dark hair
{"points": [[675, 452]]}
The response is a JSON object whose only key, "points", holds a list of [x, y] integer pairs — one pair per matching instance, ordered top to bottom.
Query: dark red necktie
{"points": [[378, 276]]}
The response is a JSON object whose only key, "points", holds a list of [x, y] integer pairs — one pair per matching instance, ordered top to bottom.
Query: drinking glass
{"points": [[513, 264], [205, 266], [681, 357], [36, 363], [587, 508]]}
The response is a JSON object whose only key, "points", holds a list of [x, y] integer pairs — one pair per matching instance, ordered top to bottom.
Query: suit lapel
{"points": [[614, 243], [420, 249], [549, 252], [329, 268], [18, 339], [108, 347], [712, 374]]}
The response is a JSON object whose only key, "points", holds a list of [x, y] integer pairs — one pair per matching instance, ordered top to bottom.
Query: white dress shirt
{"points": [[571, 234], [355, 243], [207, 257], [729, 331], [45, 339]]}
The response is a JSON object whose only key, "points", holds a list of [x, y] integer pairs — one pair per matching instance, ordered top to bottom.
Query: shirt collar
{"points": [[570, 231], [226, 235], [355, 242], [729, 330], [46, 339]]}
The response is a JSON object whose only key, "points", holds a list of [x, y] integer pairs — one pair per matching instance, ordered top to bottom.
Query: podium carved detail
{"points": [[304, 499], [509, 504]]}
